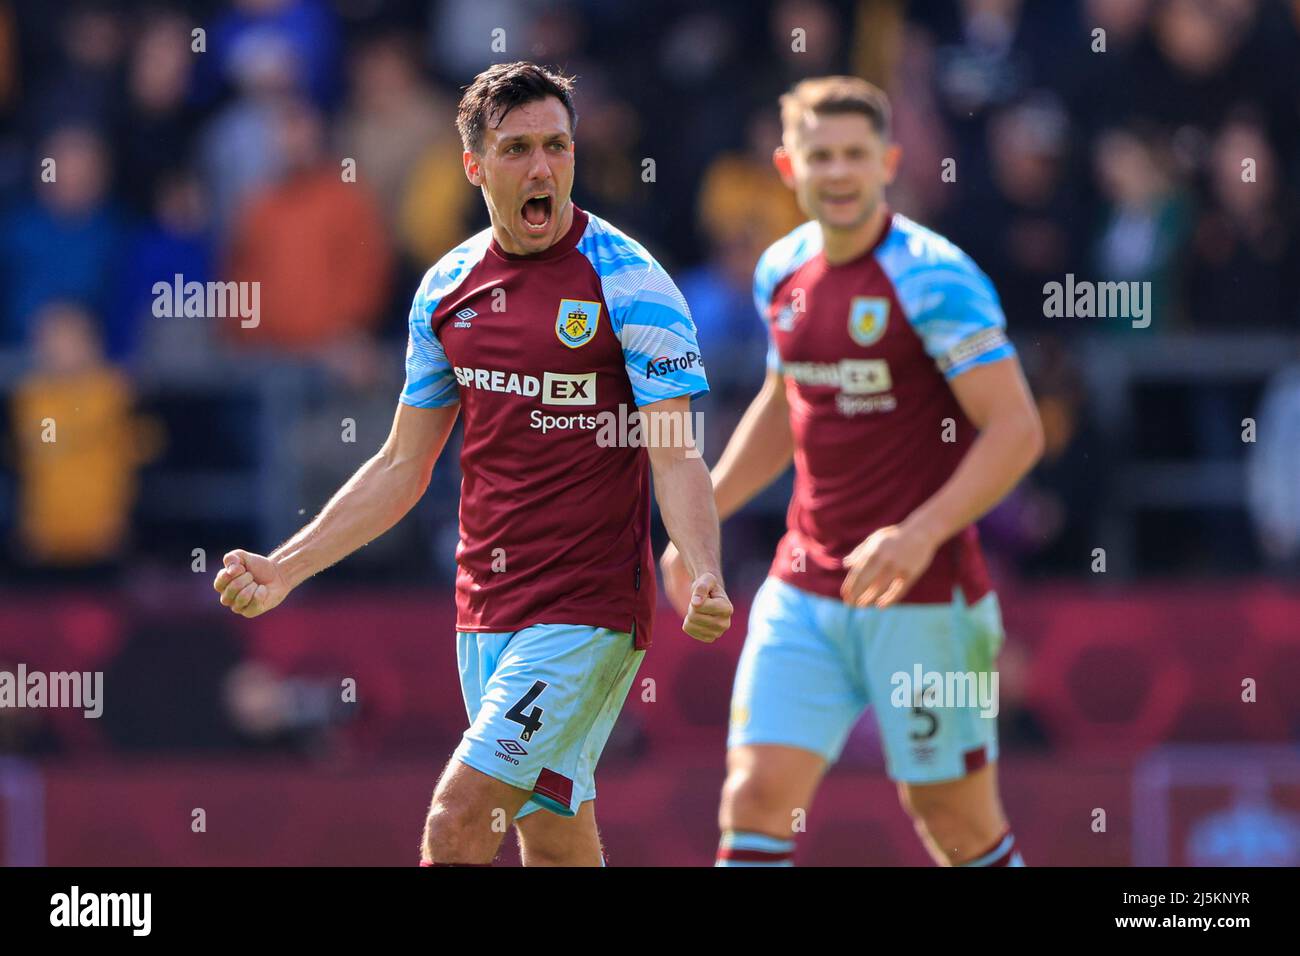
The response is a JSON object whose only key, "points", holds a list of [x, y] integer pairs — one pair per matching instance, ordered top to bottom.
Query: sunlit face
{"points": [[838, 167], [526, 173]]}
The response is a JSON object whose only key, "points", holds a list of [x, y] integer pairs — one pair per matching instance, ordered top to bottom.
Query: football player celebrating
{"points": [[541, 330]]}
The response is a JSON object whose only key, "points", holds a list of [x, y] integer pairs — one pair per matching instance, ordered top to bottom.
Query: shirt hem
{"points": [[968, 597], [563, 622]]}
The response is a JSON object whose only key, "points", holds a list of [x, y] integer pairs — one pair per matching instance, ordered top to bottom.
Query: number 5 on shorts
{"points": [[531, 721]]}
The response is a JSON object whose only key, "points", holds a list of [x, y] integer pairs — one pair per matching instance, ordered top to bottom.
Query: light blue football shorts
{"points": [[812, 664], [541, 703]]}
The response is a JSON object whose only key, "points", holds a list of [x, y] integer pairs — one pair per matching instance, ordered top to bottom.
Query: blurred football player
{"points": [[892, 386]]}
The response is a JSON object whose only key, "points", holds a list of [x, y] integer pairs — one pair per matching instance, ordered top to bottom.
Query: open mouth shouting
{"points": [[839, 200], [536, 213]]}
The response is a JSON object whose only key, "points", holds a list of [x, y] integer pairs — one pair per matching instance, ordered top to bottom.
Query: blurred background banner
{"points": [[158, 159]]}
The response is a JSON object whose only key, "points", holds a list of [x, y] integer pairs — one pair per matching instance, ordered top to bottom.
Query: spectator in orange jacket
{"points": [[315, 241]]}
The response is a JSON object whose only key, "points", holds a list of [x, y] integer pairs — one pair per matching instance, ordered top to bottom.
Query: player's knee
{"points": [[752, 798], [938, 817], [948, 818], [449, 835], [541, 845], [575, 852], [545, 854]]}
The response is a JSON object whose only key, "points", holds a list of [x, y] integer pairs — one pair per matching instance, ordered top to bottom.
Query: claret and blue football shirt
{"points": [[866, 348], [540, 351]]}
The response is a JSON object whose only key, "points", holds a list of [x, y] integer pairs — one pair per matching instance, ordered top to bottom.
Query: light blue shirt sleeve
{"points": [[777, 262], [764, 286], [950, 302], [648, 314], [773, 354], [430, 379], [430, 382]]}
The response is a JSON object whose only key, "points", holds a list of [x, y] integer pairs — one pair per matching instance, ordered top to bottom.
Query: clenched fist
{"points": [[250, 584], [704, 604]]}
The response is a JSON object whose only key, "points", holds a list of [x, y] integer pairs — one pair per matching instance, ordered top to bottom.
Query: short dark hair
{"points": [[499, 89], [832, 95]]}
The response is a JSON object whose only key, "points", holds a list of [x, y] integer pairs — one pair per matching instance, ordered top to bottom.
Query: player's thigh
{"points": [[930, 673], [794, 683], [768, 781], [548, 839]]}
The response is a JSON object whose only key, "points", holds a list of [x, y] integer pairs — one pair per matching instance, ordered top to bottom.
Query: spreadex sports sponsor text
{"points": [[626, 427]]}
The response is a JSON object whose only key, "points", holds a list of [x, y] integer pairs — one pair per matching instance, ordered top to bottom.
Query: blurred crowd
{"points": [[309, 145]]}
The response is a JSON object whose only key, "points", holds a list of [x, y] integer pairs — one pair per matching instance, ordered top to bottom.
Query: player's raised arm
{"points": [[762, 445], [759, 451], [383, 489], [685, 497], [373, 500]]}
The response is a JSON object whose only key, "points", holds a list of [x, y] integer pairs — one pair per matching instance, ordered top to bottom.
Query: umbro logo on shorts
{"points": [[509, 747]]}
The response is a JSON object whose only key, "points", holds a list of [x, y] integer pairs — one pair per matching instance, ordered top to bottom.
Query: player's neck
{"points": [[845, 245]]}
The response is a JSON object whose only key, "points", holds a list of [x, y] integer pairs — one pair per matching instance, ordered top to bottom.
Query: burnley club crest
{"points": [[868, 316], [576, 322]]}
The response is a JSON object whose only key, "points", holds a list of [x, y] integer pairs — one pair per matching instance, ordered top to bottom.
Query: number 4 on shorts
{"points": [[531, 721]]}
